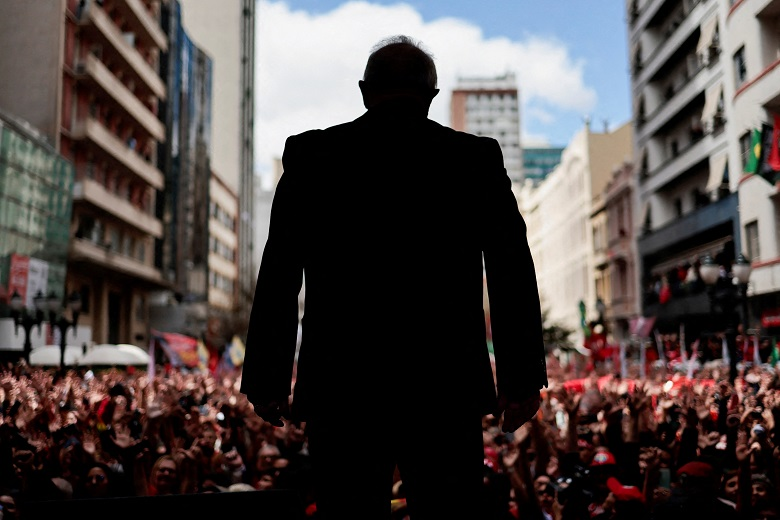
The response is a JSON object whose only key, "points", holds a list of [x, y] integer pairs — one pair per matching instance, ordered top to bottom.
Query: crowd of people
{"points": [[609, 448]]}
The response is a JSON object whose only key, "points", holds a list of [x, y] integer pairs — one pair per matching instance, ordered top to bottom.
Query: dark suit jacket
{"points": [[389, 217]]}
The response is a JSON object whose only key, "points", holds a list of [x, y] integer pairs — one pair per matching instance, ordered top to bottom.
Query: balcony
{"points": [[95, 22], [142, 22], [670, 45], [94, 71], [762, 89], [681, 99], [90, 129], [688, 158], [95, 194], [87, 252]]}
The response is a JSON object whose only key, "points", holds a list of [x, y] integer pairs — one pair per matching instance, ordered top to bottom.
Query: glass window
{"points": [[740, 67], [751, 234]]}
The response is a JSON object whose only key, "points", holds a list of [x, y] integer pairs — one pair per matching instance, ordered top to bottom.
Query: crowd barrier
{"points": [[266, 504]]}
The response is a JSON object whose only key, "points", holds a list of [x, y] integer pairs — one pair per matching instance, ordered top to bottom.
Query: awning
{"points": [[707, 35], [711, 99], [717, 170], [690, 255]]}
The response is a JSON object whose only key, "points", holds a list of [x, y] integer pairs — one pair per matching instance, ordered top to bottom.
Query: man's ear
{"points": [[364, 90]]}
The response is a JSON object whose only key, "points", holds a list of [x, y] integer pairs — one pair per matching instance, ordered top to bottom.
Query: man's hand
{"points": [[273, 411], [517, 412]]}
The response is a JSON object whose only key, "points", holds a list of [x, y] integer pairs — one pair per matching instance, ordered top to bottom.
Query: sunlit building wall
{"points": [[751, 56], [85, 74], [704, 75], [559, 216]]}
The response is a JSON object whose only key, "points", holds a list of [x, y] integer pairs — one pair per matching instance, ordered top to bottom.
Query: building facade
{"points": [[751, 54], [698, 71], [88, 81], [490, 107], [232, 132], [538, 162], [36, 202], [565, 217], [620, 257]]}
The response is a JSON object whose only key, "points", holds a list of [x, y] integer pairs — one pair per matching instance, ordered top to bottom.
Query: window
{"points": [[740, 67], [678, 207], [751, 237], [85, 299]]}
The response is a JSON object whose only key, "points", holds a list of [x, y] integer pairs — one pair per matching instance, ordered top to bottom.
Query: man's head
{"points": [[398, 68]]}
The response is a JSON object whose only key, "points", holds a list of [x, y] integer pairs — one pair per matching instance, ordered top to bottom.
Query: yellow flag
{"points": [[237, 352], [203, 355]]}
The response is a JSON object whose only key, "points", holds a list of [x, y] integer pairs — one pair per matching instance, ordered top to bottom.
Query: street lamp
{"points": [[725, 290], [27, 319], [60, 322]]}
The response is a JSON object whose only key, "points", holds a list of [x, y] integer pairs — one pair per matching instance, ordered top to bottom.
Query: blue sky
{"points": [[570, 58]]}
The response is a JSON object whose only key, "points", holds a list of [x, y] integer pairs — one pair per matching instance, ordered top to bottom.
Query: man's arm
{"points": [[515, 310], [273, 324]]}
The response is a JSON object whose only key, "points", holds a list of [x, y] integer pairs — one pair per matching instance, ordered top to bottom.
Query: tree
{"points": [[555, 335]]}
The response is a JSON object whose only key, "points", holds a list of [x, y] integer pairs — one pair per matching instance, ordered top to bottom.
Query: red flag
{"points": [[774, 151]]}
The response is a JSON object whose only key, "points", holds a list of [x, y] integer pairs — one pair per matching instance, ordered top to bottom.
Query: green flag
{"points": [[754, 152], [774, 357]]}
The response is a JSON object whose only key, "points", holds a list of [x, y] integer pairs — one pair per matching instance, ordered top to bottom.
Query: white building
{"points": [[704, 74], [558, 216]]}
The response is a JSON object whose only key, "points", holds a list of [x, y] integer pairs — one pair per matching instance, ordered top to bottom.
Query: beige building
{"points": [[85, 74], [559, 213], [617, 261]]}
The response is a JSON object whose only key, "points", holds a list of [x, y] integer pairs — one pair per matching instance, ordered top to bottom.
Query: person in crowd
{"points": [[706, 445]]}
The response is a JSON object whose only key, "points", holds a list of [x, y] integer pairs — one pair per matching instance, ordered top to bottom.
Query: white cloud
{"points": [[308, 67]]}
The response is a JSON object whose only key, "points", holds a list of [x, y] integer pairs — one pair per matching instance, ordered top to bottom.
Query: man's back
{"points": [[392, 217]]}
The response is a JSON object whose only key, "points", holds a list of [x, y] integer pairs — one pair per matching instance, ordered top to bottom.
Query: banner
{"points": [[642, 326], [182, 351]]}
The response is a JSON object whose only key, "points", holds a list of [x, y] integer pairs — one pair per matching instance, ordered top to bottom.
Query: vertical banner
{"points": [[18, 273], [37, 280], [660, 346], [683, 348], [724, 352], [756, 353], [692, 360], [623, 364], [150, 369]]}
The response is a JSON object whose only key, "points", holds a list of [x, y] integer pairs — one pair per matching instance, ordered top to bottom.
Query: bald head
{"points": [[398, 67]]}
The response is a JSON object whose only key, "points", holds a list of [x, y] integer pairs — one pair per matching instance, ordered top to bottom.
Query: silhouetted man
{"points": [[389, 217]]}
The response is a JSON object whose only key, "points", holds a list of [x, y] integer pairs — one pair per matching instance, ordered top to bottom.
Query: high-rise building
{"points": [[226, 32], [704, 74], [85, 75], [490, 107], [197, 254]]}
